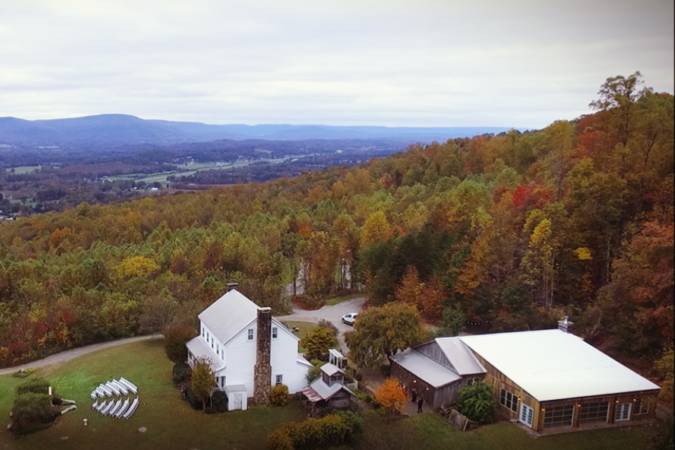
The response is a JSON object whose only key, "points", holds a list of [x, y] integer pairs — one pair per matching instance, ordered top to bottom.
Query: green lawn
{"points": [[172, 424], [430, 431]]}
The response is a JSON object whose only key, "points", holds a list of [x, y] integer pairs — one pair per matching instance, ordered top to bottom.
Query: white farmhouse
{"points": [[248, 350]]}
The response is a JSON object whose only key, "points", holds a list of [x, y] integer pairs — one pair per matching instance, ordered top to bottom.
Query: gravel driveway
{"points": [[332, 313], [74, 353]]}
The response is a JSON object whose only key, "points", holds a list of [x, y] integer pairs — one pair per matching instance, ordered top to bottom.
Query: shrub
{"points": [[323, 323], [175, 338], [317, 342], [181, 372], [314, 372], [202, 381], [34, 385], [279, 395], [391, 396], [192, 399], [219, 401], [476, 402], [32, 411], [330, 430], [280, 439]]}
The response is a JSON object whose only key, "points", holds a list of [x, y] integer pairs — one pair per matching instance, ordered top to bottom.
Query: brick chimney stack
{"points": [[262, 377]]}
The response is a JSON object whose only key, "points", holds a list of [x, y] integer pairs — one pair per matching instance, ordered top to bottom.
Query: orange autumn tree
{"points": [[427, 297], [391, 396]]}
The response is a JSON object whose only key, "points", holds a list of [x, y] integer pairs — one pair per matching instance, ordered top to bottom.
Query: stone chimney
{"points": [[232, 285], [565, 325], [262, 375]]}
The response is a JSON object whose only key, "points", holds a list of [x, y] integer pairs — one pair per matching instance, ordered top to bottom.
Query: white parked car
{"points": [[350, 318]]}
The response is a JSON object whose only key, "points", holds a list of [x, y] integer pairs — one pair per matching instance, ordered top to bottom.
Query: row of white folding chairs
{"points": [[131, 386], [114, 388], [117, 408]]}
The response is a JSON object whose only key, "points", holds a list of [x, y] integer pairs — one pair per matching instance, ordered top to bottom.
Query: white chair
{"points": [[121, 387], [132, 387], [113, 388], [107, 392], [93, 395], [94, 405], [105, 406], [115, 408], [132, 408], [120, 412]]}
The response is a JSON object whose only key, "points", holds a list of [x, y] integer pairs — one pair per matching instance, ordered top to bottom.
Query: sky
{"points": [[516, 63]]}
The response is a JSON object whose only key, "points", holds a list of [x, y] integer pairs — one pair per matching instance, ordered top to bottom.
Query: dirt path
{"points": [[67, 355]]}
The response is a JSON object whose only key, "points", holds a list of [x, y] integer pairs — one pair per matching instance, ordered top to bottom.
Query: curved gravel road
{"points": [[332, 313], [75, 352]]}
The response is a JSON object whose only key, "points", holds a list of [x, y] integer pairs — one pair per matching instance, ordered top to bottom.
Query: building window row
{"points": [[508, 400], [593, 411], [559, 415]]}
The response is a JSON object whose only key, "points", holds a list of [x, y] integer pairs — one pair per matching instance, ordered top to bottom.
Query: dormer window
{"points": [[274, 332], [250, 334]]}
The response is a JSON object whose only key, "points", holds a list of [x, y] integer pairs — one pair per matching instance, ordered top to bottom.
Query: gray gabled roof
{"points": [[228, 315], [425, 368]]}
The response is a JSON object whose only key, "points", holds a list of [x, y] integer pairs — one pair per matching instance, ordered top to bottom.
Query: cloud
{"points": [[423, 63]]}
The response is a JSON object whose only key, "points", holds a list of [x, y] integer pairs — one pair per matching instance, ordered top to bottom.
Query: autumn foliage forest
{"points": [[510, 232]]}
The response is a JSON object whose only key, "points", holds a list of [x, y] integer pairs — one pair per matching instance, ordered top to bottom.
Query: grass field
{"points": [[172, 424], [430, 432]]}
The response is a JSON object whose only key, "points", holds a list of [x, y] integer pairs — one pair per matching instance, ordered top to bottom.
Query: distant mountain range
{"points": [[121, 129]]}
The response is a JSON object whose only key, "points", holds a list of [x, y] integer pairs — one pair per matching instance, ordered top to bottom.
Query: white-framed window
{"points": [[274, 332], [250, 334], [279, 379], [508, 400], [622, 411], [526, 414]]}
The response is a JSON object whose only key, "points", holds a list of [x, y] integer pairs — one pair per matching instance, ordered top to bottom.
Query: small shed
{"points": [[329, 391]]}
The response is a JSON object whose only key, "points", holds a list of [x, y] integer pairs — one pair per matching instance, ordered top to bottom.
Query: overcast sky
{"points": [[413, 62]]}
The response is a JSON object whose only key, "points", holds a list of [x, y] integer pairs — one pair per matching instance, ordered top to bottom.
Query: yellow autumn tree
{"points": [[376, 229], [391, 396]]}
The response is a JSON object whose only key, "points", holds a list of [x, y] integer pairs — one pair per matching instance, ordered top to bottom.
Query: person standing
{"points": [[414, 395], [420, 402]]}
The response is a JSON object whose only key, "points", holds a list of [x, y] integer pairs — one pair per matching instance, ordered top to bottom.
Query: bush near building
{"points": [[279, 395], [391, 396], [476, 402], [331, 430]]}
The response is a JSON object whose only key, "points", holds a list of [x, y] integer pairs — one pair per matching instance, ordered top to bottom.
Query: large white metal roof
{"points": [[554, 365]]}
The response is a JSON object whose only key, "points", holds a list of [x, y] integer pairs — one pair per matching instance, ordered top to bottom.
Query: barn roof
{"points": [[459, 355], [555, 365], [425, 368]]}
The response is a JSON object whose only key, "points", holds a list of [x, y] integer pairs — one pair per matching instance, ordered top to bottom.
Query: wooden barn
{"points": [[437, 370], [548, 381], [554, 381]]}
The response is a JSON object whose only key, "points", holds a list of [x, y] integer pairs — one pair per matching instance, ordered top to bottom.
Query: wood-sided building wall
{"points": [[565, 414]]}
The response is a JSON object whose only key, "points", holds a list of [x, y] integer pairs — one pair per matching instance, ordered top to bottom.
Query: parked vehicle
{"points": [[350, 318]]}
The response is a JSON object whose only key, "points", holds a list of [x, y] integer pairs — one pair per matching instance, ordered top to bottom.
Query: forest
{"points": [[505, 232]]}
